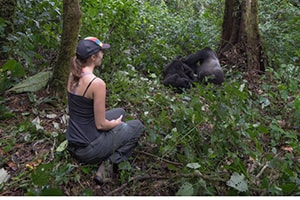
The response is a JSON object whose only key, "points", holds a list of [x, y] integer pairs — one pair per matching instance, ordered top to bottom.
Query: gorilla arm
{"points": [[192, 60], [178, 75], [176, 81]]}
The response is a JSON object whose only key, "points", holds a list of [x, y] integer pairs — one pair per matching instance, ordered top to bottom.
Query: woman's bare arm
{"points": [[99, 95]]}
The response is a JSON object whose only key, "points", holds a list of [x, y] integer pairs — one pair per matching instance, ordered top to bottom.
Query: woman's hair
{"points": [[76, 70]]}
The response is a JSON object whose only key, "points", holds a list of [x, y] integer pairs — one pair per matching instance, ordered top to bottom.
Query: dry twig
{"points": [[162, 159], [196, 174]]}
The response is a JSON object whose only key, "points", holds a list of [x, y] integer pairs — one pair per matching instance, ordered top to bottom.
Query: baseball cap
{"points": [[89, 46]]}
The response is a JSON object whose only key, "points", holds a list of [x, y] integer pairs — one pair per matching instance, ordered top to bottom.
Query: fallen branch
{"points": [[162, 159], [267, 165], [262, 170], [196, 174], [133, 179]]}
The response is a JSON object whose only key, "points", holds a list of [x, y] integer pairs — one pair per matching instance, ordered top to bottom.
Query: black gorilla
{"points": [[204, 64], [209, 68], [178, 74]]}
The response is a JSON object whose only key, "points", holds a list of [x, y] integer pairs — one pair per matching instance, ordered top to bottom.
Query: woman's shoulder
{"points": [[98, 82]]}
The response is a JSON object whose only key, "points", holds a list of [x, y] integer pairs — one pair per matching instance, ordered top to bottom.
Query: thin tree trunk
{"points": [[70, 32], [241, 44]]}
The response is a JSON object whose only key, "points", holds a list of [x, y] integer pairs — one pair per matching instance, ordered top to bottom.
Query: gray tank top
{"points": [[81, 128]]}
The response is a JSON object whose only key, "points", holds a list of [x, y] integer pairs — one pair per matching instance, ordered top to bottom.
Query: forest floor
{"points": [[32, 128], [148, 176]]}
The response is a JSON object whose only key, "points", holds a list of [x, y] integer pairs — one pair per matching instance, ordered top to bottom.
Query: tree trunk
{"points": [[7, 12], [70, 31], [241, 44]]}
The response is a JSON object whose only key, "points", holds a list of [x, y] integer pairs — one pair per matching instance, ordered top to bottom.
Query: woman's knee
{"points": [[115, 113], [137, 126]]}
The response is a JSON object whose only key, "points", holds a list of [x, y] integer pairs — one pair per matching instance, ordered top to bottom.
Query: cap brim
{"points": [[105, 46]]}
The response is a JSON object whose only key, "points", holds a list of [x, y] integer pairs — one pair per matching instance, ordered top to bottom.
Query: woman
{"points": [[94, 134]]}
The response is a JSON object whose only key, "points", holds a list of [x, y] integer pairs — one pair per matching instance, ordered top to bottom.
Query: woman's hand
{"points": [[119, 120], [109, 124]]}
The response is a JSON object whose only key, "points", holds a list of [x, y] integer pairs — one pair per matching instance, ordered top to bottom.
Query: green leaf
{"points": [[14, 67], [33, 83], [264, 102], [62, 146], [193, 165], [125, 166], [172, 167], [86, 169], [41, 175], [238, 182], [288, 188], [185, 190], [51, 192], [87, 192]]}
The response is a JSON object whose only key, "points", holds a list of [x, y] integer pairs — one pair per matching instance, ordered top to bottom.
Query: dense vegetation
{"points": [[241, 138]]}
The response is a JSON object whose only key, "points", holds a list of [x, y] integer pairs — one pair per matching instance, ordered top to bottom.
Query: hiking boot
{"points": [[105, 173]]}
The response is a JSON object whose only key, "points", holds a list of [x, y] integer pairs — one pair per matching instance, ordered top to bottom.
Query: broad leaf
{"points": [[14, 67], [33, 83], [62, 146], [41, 176], [238, 182], [185, 190]]}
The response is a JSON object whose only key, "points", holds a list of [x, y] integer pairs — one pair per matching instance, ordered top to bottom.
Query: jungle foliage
{"points": [[241, 138]]}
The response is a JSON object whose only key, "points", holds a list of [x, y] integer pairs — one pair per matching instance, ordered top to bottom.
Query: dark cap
{"points": [[90, 46]]}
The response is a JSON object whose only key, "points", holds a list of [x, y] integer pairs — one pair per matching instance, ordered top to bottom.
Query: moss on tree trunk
{"points": [[71, 28]]}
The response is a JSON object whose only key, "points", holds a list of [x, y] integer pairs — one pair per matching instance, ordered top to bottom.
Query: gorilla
{"points": [[209, 69], [178, 74]]}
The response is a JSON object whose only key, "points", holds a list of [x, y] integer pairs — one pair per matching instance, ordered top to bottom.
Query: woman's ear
{"points": [[93, 57]]}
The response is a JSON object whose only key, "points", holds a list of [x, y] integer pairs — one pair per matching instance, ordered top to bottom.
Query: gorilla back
{"points": [[209, 69]]}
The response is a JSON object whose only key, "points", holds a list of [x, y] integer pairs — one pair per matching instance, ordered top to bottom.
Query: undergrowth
{"points": [[241, 138], [219, 140]]}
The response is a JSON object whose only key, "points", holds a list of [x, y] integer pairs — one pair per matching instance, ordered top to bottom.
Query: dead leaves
{"points": [[287, 148], [32, 165]]}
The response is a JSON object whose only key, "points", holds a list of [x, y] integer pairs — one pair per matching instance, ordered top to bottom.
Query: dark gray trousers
{"points": [[116, 144]]}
